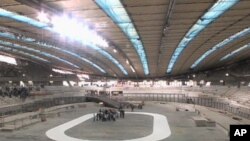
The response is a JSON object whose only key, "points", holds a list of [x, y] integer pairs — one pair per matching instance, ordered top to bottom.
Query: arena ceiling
{"points": [[126, 38]]}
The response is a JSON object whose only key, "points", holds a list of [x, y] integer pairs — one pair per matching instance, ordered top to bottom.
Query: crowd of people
{"points": [[22, 92], [109, 114], [106, 115]]}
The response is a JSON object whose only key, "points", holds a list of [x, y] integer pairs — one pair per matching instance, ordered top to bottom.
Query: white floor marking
{"points": [[161, 129]]}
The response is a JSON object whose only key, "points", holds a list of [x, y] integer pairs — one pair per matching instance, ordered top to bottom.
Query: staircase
{"points": [[106, 100]]}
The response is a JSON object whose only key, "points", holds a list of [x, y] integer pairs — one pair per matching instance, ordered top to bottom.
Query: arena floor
{"points": [[135, 127]]}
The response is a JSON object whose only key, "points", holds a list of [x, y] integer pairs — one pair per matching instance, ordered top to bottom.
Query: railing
{"points": [[182, 98], [105, 99], [53, 101], [37, 104], [18, 122], [10, 123]]}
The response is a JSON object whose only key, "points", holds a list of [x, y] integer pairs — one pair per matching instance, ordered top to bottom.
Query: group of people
{"points": [[21, 92], [109, 114], [106, 115]]}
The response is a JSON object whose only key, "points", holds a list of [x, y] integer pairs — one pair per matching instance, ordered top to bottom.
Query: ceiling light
{"points": [[43, 17], [64, 25], [71, 28], [89, 37], [114, 50], [127, 61], [132, 69], [227, 74]]}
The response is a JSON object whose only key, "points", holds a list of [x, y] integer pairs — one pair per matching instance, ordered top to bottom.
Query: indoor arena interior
{"points": [[124, 70]]}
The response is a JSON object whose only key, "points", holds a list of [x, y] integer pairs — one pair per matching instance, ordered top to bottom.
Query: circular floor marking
{"points": [[161, 129]]}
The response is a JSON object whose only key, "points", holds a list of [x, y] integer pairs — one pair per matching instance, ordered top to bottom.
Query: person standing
{"points": [[132, 107]]}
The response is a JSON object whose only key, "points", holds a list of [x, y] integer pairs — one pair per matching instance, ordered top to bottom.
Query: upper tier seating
{"points": [[238, 95]]}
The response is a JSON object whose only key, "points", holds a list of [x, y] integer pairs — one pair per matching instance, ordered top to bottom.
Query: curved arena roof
{"points": [[127, 38]]}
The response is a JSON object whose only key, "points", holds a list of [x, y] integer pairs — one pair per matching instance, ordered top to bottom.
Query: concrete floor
{"points": [[133, 126], [114, 130]]}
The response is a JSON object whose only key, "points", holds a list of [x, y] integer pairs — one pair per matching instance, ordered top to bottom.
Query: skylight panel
{"points": [[220, 7], [120, 16], [68, 27], [45, 45], [221, 45], [17, 46], [235, 52], [23, 53]]}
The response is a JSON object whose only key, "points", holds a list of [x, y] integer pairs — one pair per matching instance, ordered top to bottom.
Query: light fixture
{"points": [[43, 17], [63, 24], [74, 29], [89, 37], [114, 50], [127, 61], [132, 68], [227, 74], [24, 75], [50, 75]]}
